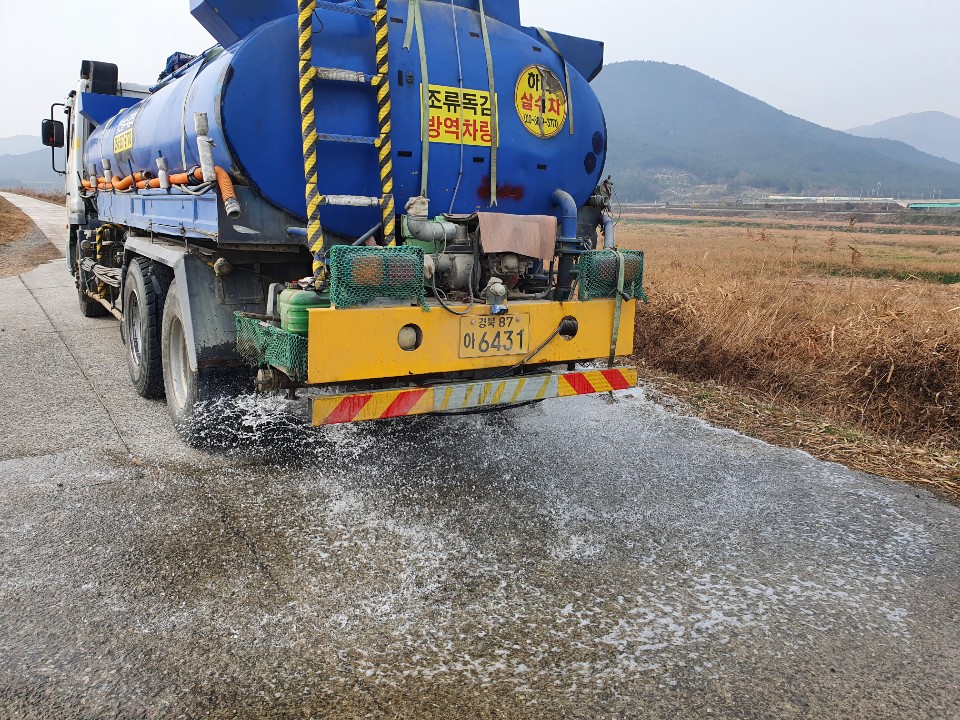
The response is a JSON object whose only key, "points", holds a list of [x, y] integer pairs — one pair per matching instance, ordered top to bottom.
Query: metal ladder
{"points": [[381, 81]]}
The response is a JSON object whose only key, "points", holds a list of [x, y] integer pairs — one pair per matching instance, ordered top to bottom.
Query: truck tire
{"points": [[144, 293], [89, 307], [179, 379], [188, 389]]}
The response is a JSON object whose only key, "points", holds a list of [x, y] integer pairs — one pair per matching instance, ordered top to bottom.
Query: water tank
{"points": [[552, 132]]}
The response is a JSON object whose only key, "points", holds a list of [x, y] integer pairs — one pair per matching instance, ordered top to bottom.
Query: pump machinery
{"points": [[379, 207]]}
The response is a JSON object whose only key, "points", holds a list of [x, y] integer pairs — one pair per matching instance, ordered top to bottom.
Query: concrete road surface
{"points": [[579, 559]]}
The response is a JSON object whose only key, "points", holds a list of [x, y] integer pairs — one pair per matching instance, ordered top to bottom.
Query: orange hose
{"points": [[184, 178], [144, 181], [116, 183], [124, 184], [226, 184]]}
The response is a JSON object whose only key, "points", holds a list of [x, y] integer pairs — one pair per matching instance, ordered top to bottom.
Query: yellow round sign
{"points": [[541, 101]]}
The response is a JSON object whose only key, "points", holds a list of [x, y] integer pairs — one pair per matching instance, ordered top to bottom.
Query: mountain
{"points": [[671, 127], [935, 133], [19, 144], [31, 169]]}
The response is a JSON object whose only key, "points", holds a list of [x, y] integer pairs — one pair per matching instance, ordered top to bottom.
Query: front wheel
{"points": [[144, 295]]}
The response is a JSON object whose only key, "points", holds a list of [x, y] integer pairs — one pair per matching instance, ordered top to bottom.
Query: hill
{"points": [[672, 127], [935, 133], [19, 144], [30, 170]]}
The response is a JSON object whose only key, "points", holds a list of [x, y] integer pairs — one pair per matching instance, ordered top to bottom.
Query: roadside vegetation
{"points": [[57, 197], [14, 225], [22, 246], [844, 341]]}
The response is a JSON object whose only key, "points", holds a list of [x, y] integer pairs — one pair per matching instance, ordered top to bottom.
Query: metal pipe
{"points": [[205, 147], [162, 173], [568, 214], [422, 227], [426, 230], [609, 232], [367, 235], [568, 247], [530, 296], [106, 304]]}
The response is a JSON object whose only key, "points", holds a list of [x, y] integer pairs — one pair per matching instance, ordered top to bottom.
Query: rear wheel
{"points": [[144, 294], [180, 380], [189, 390]]}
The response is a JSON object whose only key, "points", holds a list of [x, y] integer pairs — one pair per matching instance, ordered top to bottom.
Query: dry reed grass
{"points": [[795, 317]]}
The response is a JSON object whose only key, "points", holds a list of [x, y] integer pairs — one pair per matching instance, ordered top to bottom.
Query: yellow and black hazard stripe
{"points": [[309, 123], [384, 144]]}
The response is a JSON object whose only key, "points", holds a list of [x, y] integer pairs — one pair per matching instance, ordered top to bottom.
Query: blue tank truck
{"points": [[392, 207]]}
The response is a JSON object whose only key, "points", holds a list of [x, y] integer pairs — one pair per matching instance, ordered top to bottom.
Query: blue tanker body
{"points": [[249, 92]]}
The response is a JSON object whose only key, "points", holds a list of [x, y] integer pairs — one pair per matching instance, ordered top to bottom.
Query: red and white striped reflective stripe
{"points": [[597, 381], [361, 407], [338, 409]]}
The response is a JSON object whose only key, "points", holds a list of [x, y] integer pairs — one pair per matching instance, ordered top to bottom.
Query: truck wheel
{"points": [[144, 292], [89, 307], [180, 380], [186, 388]]}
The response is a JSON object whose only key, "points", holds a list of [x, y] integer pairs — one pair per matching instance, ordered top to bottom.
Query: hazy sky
{"points": [[839, 63]]}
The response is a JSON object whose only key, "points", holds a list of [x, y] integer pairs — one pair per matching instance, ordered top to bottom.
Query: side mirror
{"points": [[52, 133]]}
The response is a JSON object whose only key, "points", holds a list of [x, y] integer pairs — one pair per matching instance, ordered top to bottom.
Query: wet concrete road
{"points": [[577, 559]]}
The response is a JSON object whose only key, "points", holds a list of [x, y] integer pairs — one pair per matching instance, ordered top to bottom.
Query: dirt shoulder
{"points": [[22, 245], [768, 418]]}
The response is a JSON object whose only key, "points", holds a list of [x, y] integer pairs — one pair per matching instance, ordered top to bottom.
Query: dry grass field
{"points": [[843, 340]]}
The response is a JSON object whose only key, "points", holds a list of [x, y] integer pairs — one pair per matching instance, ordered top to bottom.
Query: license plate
{"points": [[491, 336]]}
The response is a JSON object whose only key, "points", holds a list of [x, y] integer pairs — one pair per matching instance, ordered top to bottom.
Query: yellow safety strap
{"points": [[415, 21], [566, 72], [494, 120], [617, 307]]}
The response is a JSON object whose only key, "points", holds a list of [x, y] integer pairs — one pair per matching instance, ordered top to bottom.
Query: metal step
{"points": [[345, 8], [340, 75], [357, 139], [350, 200]]}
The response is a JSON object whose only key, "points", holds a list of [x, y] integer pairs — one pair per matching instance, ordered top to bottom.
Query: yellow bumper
{"points": [[362, 343], [388, 404]]}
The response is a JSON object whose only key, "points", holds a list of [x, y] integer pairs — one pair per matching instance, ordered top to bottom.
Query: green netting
{"points": [[599, 271], [359, 275], [263, 344]]}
